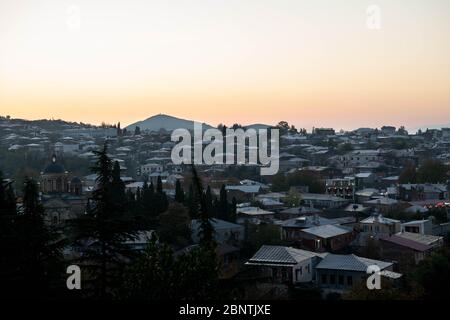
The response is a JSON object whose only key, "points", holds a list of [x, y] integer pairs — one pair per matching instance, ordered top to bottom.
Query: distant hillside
{"points": [[166, 122], [47, 124], [258, 126]]}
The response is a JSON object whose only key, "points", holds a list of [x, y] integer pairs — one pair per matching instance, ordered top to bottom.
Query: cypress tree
{"points": [[179, 192], [222, 209], [39, 256]]}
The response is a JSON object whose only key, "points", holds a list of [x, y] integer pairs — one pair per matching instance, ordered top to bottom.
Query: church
{"points": [[61, 194]]}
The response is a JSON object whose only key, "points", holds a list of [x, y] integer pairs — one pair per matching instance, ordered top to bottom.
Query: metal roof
{"points": [[327, 231], [404, 242], [280, 255], [349, 262]]}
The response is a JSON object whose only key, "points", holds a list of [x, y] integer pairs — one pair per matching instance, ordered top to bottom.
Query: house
{"points": [[358, 158], [365, 180], [424, 191], [243, 192], [366, 194], [318, 200], [385, 204], [295, 212], [253, 215], [379, 225], [418, 226], [291, 229], [224, 231], [329, 237], [408, 249], [285, 264], [331, 272], [338, 273]]}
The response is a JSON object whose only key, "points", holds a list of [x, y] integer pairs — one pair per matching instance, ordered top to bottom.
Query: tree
{"points": [[283, 126], [137, 131], [432, 171], [408, 175], [179, 192], [293, 198], [209, 201], [161, 202], [192, 202], [222, 209], [232, 213], [174, 226], [109, 227], [8, 236], [39, 248], [433, 274], [152, 275], [191, 275]]}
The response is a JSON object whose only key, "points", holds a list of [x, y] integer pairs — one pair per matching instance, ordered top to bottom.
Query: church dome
{"points": [[54, 168]]}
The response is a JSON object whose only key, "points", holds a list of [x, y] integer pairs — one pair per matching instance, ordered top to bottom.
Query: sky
{"points": [[322, 63]]}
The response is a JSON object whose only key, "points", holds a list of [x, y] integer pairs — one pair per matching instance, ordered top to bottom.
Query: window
{"points": [[324, 279], [332, 279], [341, 280], [349, 280]]}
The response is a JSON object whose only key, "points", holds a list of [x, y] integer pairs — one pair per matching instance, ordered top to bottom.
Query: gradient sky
{"points": [[312, 63]]}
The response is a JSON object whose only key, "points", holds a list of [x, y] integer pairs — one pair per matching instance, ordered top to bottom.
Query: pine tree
{"points": [[179, 192], [107, 224]]}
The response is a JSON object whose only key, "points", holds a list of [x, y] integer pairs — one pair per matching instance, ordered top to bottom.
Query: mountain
{"points": [[166, 122]]}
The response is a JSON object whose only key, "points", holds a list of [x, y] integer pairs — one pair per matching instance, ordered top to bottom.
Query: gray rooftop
{"points": [[327, 231], [280, 255], [349, 262]]}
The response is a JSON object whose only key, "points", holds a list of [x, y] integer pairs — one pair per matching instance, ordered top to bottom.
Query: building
{"points": [[54, 178], [341, 187], [424, 191], [243, 192], [62, 194], [318, 200], [385, 205], [253, 214], [377, 225], [418, 226], [291, 229], [224, 231], [328, 237], [408, 249], [285, 264], [339, 273]]}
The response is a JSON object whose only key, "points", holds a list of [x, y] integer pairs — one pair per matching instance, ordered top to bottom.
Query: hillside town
{"points": [[342, 201]]}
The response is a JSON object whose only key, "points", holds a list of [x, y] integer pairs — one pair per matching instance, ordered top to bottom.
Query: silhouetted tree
{"points": [[179, 192], [108, 226], [38, 248]]}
